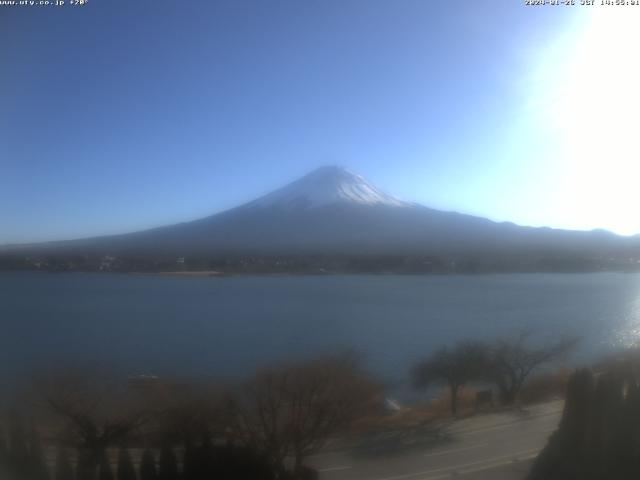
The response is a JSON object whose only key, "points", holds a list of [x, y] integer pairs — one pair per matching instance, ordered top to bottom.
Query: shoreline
{"points": [[194, 273], [220, 274]]}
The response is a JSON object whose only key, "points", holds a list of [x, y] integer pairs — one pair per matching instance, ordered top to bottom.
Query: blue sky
{"points": [[122, 115]]}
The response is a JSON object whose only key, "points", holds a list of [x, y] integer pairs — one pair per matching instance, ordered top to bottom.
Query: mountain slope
{"points": [[334, 211]]}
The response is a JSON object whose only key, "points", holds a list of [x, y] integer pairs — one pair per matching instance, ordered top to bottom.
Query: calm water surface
{"points": [[228, 326]]}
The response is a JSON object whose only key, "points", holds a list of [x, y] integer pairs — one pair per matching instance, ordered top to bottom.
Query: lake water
{"points": [[228, 326]]}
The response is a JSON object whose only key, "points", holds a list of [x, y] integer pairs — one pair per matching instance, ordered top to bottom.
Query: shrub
{"points": [[545, 386]]}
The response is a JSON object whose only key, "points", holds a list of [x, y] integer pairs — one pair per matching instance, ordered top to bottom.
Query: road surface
{"points": [[497, 446]]}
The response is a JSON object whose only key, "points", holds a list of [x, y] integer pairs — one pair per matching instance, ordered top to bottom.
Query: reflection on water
{"points": [[628, 334]]}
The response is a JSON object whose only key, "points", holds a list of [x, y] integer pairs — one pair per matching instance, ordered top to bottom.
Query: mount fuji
{"points": [[327, 186], [334, 211]]}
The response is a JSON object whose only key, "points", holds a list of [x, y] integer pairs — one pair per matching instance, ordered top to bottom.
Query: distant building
{"points": [[106, 264]]}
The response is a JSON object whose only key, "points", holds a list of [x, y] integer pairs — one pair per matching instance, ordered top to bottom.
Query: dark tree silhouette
{"points": [[512, 360], [453, 367], [597, 438], [18, 450], [4, 451], [4, 456], [562, 457], [206, 458], [37, 461], [238, 463], [87, 464], [190, 465], [148, 466], [63, 468], [168, 468], [125, 469], [104, 470]]}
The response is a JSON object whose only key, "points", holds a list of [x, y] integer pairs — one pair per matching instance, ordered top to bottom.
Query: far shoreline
{"points": [[190, 273], [221, 274]]}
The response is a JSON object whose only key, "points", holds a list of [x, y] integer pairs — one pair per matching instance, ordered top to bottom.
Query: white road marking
{"points": [[510, 423], [488, 429], [454, 450], [516, 459], [486, 464], [335, 469]]}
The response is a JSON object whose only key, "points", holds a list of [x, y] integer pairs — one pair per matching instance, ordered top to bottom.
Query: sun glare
{"points": [[592, 104]]}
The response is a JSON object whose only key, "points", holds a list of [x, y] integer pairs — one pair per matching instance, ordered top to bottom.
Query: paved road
{"points": [[498, 446]]}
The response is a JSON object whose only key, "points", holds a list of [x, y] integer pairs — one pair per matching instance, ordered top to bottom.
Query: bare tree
{"points": [[512, 360], [453, 367], [97, 410], [190, 410], [291, 411]]}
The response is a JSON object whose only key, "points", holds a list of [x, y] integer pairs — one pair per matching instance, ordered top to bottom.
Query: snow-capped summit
{"points": [[327, 186]]}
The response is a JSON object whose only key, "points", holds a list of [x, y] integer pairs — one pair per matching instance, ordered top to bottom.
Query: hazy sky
{"points": [[122, 115]]}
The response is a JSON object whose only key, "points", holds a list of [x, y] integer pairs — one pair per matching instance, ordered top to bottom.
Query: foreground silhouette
{"points": [[103, 429], [599, 434], [203, 461]]}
